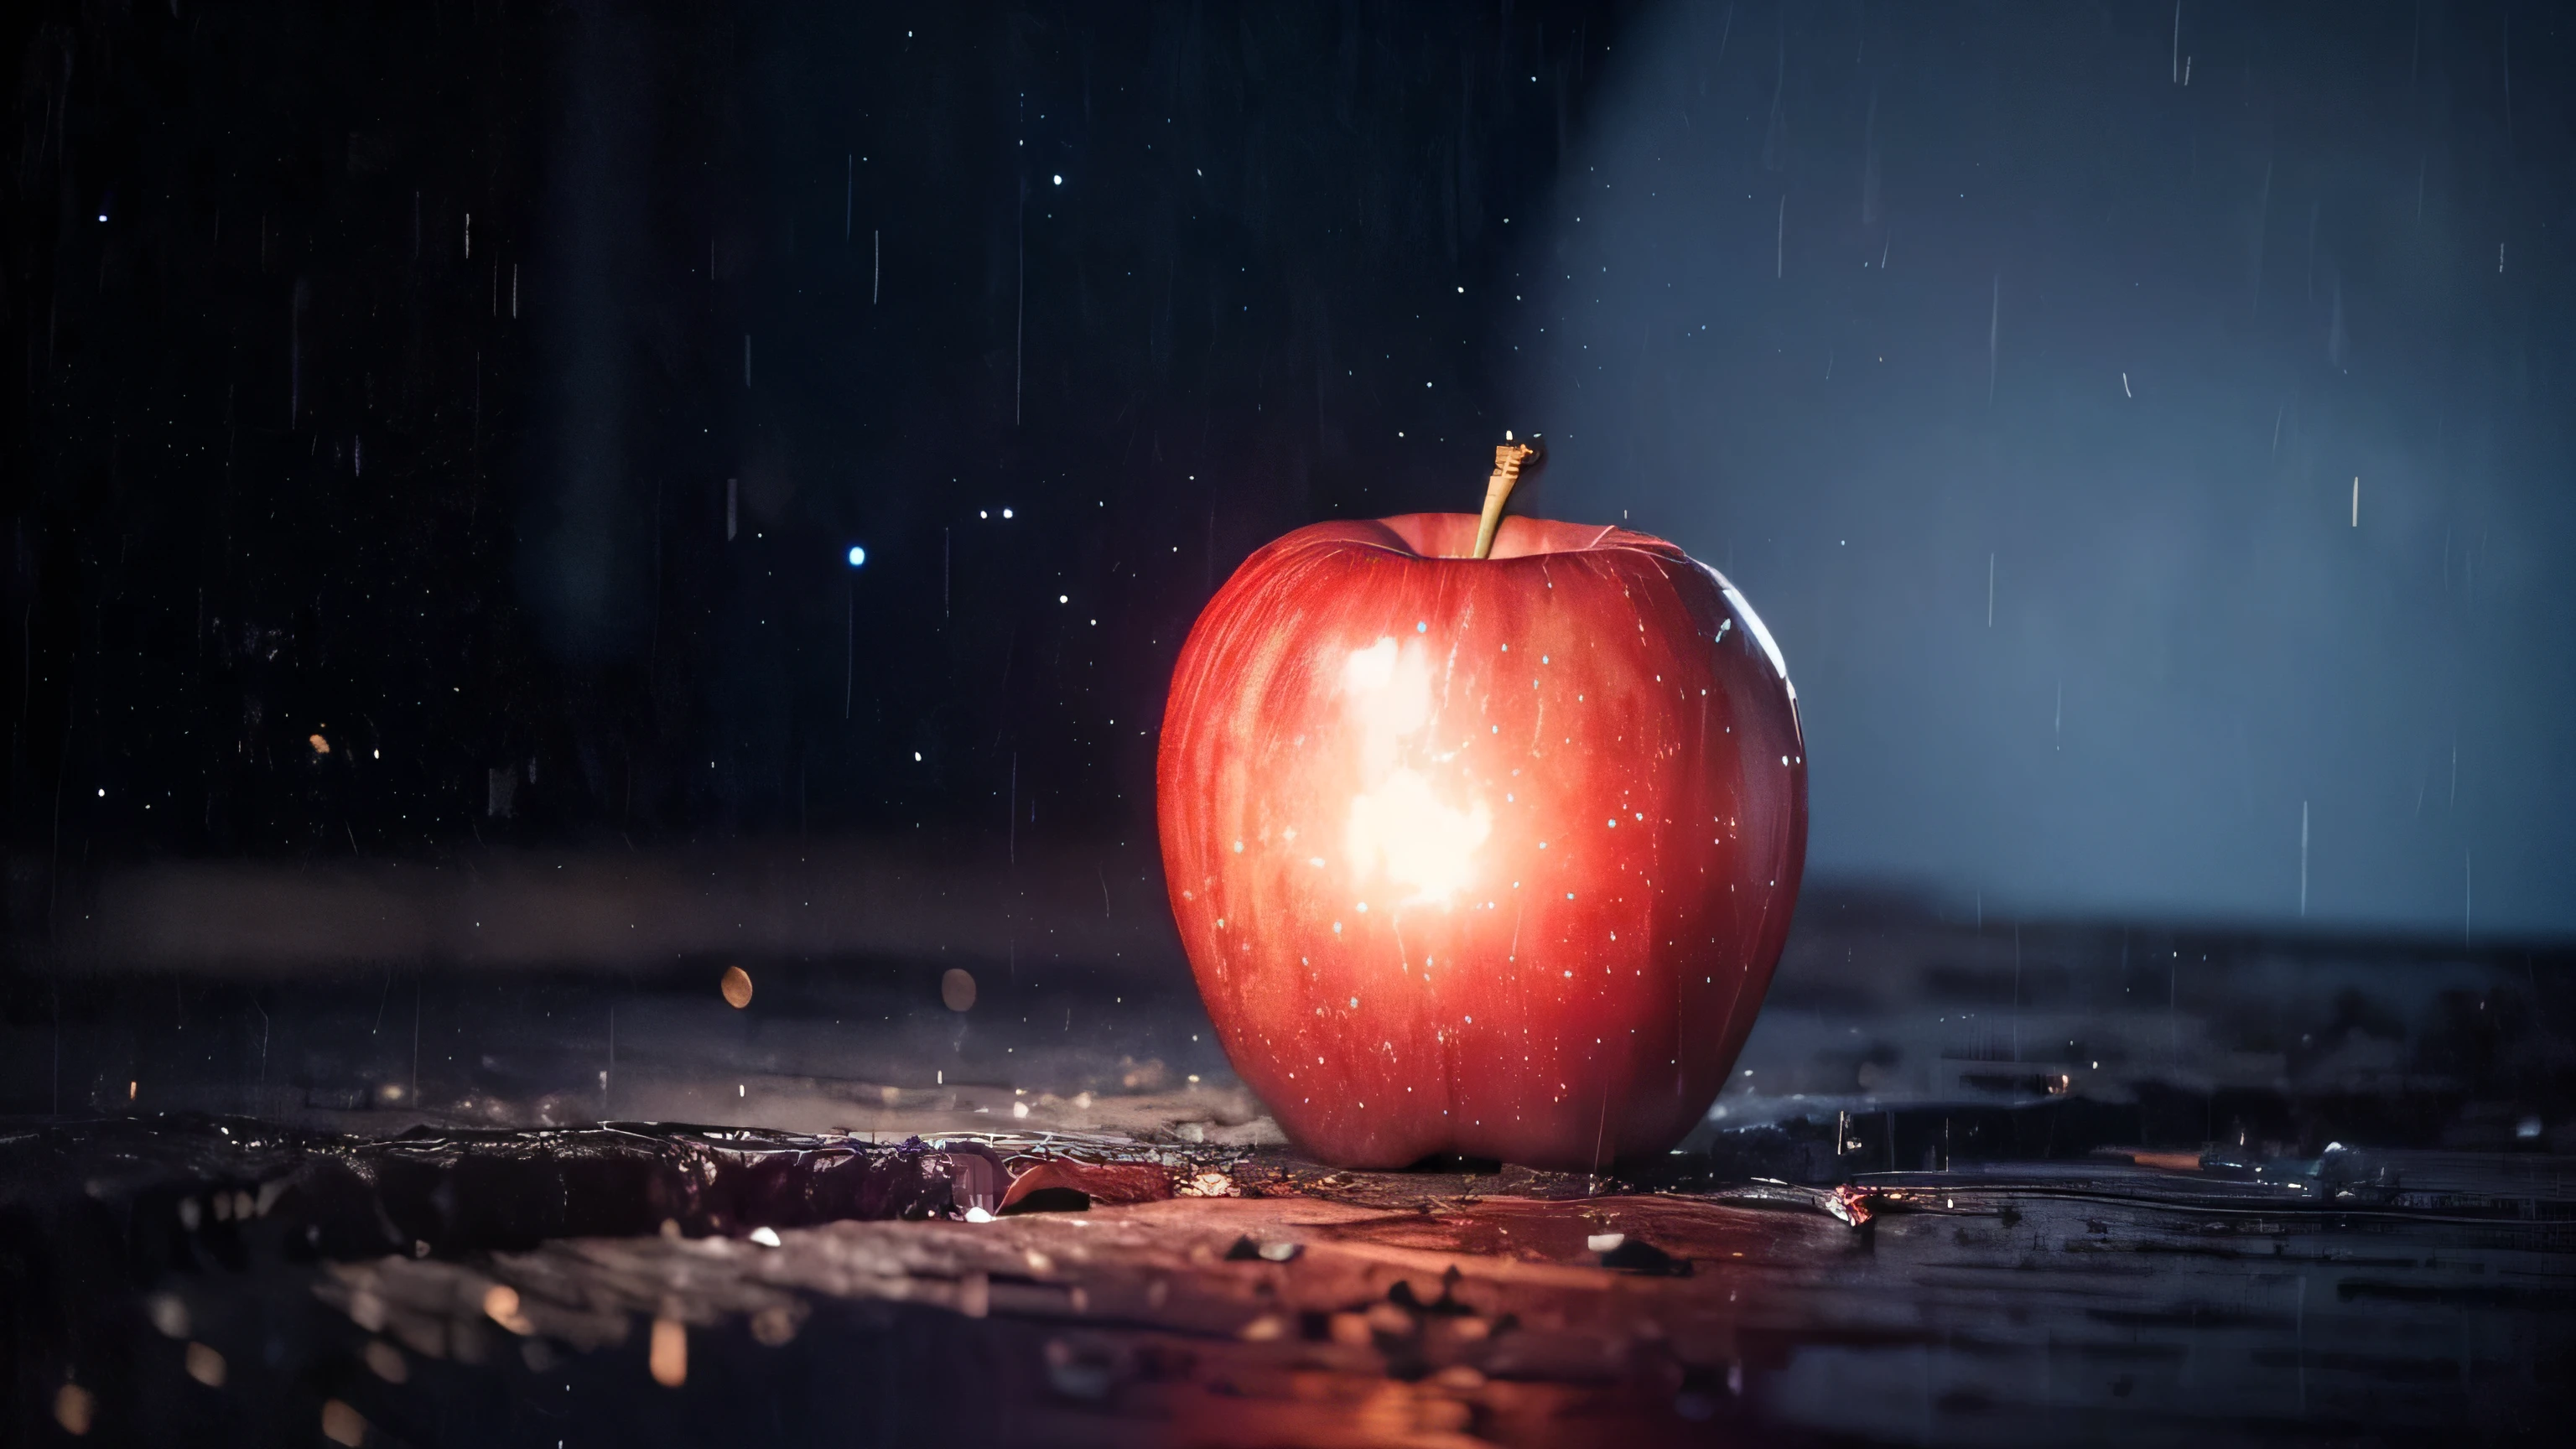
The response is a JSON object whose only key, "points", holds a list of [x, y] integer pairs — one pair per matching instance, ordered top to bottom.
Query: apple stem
{"points": [[1508, 458]]}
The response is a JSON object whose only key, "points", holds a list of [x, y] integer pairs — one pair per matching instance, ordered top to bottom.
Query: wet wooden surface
{"points": [[328, 1260], [2025, 1303], [2030, 1316]]}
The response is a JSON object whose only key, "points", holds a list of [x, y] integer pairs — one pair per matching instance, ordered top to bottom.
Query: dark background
{"points": [[289, 461]]}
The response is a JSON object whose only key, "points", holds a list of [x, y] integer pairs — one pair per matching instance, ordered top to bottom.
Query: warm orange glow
{"points": [[501, 1305], [670, 1353], [73, 1408], [342, 1424]]}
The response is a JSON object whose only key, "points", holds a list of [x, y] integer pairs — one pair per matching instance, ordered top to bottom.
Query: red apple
{"points": [[1481, 856]]}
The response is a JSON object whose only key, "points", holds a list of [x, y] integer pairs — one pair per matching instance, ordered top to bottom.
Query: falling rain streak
{"points": [[1020, 306], [1994, 334]]}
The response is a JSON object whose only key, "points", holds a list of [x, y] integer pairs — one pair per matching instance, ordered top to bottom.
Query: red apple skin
{"points": [[1490, 857]]}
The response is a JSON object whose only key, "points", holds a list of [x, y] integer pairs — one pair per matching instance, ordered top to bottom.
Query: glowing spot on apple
{"points": [[1390, 698], [1398, 822], [1421, 842]]}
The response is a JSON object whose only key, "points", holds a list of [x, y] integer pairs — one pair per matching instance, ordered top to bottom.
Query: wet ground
{"points": [[1980, 1184], [214, 1281]]}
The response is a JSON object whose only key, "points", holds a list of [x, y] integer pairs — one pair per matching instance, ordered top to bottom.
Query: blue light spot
{"points": [[857, 555], [1421, 626]]}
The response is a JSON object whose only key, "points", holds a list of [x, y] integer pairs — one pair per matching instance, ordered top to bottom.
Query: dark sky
{"points": [[493, 393], [2147, 439]]}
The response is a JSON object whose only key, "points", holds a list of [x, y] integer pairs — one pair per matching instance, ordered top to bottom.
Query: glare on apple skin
{"points": [[1492, 857]]}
